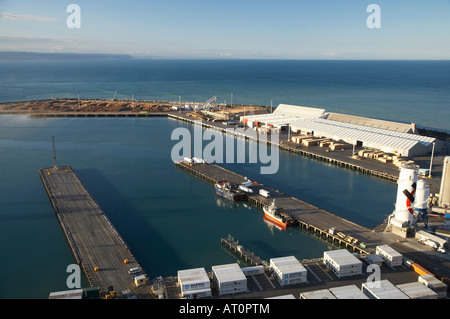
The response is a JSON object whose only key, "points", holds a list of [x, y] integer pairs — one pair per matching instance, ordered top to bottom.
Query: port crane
{"points": [[207, 104]]}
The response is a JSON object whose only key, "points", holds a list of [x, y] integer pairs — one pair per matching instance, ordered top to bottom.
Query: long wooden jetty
{"points": [[334, 229], [96, 245], [245, 254]]}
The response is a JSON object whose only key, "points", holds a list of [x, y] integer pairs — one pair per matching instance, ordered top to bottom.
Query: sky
{"points": [[245, 29]]}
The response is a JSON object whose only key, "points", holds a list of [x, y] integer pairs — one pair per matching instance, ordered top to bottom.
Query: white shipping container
{"points": [[198, 160], [246, 189], [264, 193], [390, 255], [342, 262], [288, 270], [250, 271], [229, 276], [193, 279], [285, 282], [434, 284], [382, 289], [232, 290], [417, 290], [348, 292], [197, 293], [67, 294], [317, 294], [288, 296]]}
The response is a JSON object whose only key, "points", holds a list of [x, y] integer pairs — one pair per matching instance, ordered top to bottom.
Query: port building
{"points": [[389, 137]]}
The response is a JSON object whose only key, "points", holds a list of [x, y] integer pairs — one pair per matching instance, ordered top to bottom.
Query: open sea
{"points": [[171, 220]]}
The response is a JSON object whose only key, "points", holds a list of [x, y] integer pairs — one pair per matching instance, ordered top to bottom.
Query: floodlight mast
{"points": [[54, 154]]}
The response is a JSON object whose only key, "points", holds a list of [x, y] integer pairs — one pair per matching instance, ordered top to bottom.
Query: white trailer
{"points": [[264, 193]]}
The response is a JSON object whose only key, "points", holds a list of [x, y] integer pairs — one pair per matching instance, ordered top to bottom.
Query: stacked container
{"points": [[390, 255], [342, 263], [288, 270], [229, 279], [194, 283], [434, 284], [383, 289], [417, 290], [348, 292], [317, 294]]}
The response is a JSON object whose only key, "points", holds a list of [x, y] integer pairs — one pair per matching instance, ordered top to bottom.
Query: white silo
{"points": [[407, 185], [444, 194], [422, 195], [421, 202]]}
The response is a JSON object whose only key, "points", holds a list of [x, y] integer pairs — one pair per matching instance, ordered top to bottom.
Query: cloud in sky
{"points": [[11, 16]]}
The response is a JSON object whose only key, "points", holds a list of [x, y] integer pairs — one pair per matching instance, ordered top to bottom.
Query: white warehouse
{"points": [[375, 134]]}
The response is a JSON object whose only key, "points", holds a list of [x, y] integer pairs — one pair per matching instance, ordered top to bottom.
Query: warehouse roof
{"points": [[302, 112], [387, 125], [369, 135], [390, 137]]}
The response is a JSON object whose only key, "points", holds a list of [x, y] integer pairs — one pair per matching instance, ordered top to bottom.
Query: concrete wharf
{"points": [[310, 218], [95, 243]]}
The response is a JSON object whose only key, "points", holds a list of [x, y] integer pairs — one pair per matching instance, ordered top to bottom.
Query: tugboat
{"points": [[229, 191], [278, 216]]}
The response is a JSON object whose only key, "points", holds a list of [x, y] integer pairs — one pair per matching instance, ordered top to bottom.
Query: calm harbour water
{"points": [[172, 220]]}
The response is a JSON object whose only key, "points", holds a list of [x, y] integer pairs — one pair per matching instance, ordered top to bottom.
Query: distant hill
{"points": [[10, 55]]}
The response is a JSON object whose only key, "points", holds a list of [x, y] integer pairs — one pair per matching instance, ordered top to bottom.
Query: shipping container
{"points": [[198, 160], [246, 189], [264, 193], [389, 255], [342, 263], [288, 270], [420, 270], [251, 271], [191, 279], [229, 279], [434, 284], [382, 289], [417, 290], [348, 292], [196, 293], [67, 294], [317, 294], [288, 296]]}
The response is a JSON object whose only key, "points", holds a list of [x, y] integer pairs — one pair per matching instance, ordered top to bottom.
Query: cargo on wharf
{"points": [[306, 216]]}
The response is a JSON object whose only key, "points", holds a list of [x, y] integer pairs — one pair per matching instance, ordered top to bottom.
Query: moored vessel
{"points": [[229, 191], [278, 216]]}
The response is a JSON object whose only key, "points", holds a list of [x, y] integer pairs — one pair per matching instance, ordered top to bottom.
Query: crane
{"points": [[207, 104]]}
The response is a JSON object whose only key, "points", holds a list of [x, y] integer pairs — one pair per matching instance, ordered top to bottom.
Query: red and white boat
{"points": [[278, 216]]}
